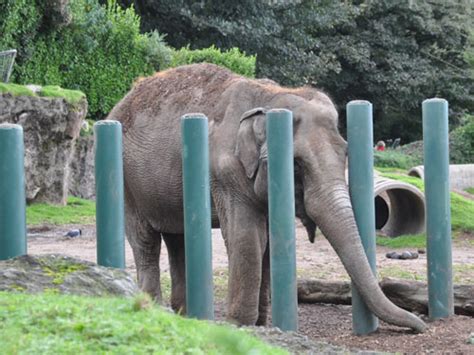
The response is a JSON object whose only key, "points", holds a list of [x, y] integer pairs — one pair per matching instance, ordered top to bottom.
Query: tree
{"points": [[392, 53]]}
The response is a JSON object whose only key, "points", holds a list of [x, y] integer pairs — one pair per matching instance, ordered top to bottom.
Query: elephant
{"points": [[235, 106]]}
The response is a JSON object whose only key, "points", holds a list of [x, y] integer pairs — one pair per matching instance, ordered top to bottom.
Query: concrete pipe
{"points": [[461, 176], [399, 207]]}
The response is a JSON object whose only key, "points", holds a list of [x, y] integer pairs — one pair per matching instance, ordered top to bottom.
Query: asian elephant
{"points": [[235, 106]]}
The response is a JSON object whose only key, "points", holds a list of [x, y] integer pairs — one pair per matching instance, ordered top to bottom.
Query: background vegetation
{"points": [[96, 49], [392, 53]]}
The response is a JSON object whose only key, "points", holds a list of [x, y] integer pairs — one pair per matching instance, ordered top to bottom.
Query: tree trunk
{"points": [[410, 295]]}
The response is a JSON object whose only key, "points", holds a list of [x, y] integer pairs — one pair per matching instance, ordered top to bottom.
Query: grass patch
{"points": [[16, 90], [71, 96], [395, 159], [470, 190], [77, 211], [404, 241], [399, 272], [463, 273], [63, 324]]}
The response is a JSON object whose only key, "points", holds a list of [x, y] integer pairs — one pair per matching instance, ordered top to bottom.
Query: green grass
{"points": [[16, 90], [71, 96], [395, 159], [470, 190], [77, 211], [403, 241], [60, 324]]}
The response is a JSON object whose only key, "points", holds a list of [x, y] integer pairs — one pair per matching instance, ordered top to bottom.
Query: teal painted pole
{"points": [[361, 187], [12, 192], [109, 194], [281, 202], [438, 214], [197, 217]]}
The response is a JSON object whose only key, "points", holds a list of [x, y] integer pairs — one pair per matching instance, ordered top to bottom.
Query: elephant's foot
{"points": [[149, 282], [238, 318]]}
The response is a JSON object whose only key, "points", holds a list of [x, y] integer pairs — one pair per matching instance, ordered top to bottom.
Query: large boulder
{"points": [[51, 127], [82, 178], [63, 274]]}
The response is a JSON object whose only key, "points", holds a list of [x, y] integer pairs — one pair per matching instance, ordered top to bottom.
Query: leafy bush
{"points": [[101, 52], [232, 59], [462, 143], [394, 159]]}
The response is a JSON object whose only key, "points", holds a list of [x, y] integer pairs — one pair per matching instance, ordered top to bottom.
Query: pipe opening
{"points": [[399, 208], [381, 212]]}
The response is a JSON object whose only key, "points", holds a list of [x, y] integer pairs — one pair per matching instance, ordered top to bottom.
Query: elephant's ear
{"points": [[250, 139]]}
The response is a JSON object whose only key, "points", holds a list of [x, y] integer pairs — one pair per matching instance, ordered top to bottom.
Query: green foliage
{"points": [[20, 21], [101, 52], [417, 52], [232, 59], [461, 150], [395, 159], [470, 190], [77, 211], [63, 324]]}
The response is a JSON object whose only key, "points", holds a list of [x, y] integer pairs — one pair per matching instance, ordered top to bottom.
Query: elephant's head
{"points": [[322, 197]]}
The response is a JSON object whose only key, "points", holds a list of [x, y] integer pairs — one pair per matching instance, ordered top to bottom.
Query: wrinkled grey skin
{"points": [[151, 113]]}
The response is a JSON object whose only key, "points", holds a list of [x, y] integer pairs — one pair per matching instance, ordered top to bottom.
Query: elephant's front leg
{"points": [[244, 229]]}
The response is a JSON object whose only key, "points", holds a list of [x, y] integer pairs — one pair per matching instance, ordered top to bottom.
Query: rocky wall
{"points": [[51, 127]]}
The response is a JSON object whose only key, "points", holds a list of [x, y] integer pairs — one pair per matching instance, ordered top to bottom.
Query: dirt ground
{"points": [[328, 323]]}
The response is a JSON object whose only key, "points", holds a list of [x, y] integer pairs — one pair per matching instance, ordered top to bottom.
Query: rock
{"points": [[51, 127], [82, 178], [392, 255], [406, 255], [63, 274]]}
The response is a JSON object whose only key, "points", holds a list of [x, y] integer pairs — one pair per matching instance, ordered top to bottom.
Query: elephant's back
{"points": [[170, 94], [150, 115]]}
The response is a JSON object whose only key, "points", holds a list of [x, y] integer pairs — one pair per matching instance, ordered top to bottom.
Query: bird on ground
{"points": [[73, 233]]}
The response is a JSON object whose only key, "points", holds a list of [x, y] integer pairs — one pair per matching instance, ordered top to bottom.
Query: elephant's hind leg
{"points": [[146, 245], [175, 246]]}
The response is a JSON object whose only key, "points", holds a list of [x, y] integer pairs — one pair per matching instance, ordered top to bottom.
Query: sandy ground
{"points": [[328, 323]]}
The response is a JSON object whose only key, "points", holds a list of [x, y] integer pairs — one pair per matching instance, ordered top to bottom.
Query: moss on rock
{"points": [[52, 91]]}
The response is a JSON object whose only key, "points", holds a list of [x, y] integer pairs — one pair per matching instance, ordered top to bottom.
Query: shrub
{"points": [[101, 52], [232, 59], [462, 143], [394, 159]]}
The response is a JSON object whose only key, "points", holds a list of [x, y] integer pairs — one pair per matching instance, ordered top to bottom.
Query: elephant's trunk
{"points": [[330, 207]]}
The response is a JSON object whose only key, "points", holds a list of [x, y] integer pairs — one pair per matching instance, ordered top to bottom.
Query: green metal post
{"points": [[361, 187], [12, 192], [109, 194], [281, 202], [438, 214], [197, 217]]}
